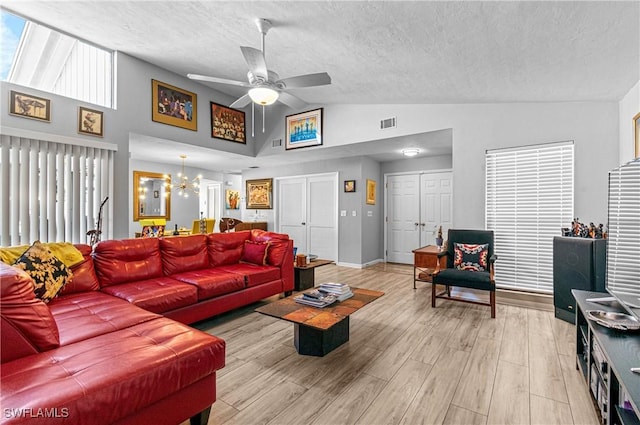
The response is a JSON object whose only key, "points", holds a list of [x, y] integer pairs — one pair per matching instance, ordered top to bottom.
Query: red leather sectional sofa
{"points": [[110, 349]]}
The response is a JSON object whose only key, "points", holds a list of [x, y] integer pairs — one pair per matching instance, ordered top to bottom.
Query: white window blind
{"points": [[52, 191], [529, 198], [623, 245]]}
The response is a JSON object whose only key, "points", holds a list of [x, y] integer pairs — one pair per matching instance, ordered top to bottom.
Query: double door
{"points": [[417, 205], [308, 211]]}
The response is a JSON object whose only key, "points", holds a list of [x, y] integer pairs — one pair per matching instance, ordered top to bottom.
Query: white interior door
{"points": [[436, 202], [416, 205], [292, 211], [308, 213], [322, 216], [403, 217]]}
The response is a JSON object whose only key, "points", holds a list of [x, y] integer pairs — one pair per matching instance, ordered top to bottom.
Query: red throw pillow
{"points": [[255, 252]]}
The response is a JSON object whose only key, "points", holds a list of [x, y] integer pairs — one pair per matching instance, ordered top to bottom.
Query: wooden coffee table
{"points": [[318, 331]]}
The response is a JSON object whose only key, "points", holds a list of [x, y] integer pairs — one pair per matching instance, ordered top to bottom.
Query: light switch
{"points": [[343, 213], [353, 213], [369, 213]]}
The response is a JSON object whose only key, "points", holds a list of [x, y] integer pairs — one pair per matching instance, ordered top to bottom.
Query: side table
{"points": [[425, 261], [304, 277]]}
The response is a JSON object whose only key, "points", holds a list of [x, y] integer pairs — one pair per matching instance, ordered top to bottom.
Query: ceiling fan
{"points": [[265, 86]]}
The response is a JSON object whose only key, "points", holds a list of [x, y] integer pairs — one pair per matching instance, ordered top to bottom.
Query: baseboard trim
{"points": [[360, 266]]}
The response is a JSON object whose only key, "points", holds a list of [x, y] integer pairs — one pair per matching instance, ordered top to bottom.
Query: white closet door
{"points": [[436, 203], [292, 208], [322, 217], [403, 217]]}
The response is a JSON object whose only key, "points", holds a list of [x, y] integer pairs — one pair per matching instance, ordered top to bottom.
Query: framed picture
{"points": [[28, 106], [173, 106], [90, 121], [227, 123], [636, 126], [303, 130], [349, 185], [371, 192], [259, 194], [232, 199]]}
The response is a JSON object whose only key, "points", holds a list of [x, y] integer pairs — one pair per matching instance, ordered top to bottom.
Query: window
{"points": [[38, 57], [52, 191], [529, 198], [623, 245]]}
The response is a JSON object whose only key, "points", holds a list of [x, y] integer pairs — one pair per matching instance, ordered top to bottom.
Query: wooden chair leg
{"points": [[433, 295], [492, 300]]}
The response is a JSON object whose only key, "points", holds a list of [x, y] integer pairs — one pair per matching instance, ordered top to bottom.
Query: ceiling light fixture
{"points": [[263, 95], [410, 152], [184, 185]]}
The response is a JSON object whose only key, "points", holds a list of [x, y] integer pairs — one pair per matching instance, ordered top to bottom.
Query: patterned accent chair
{"points": [[470, 264]]}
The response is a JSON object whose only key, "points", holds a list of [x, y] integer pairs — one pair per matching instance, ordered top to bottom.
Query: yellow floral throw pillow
{"points": [[48, 273]]}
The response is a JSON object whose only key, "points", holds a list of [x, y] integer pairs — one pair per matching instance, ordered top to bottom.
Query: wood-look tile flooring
{"points": [[405, 363]]}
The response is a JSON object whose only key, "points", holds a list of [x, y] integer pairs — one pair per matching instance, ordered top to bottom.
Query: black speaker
{"points": [[578, 263]]}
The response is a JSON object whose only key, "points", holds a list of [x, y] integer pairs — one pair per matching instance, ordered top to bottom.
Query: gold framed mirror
{"points": [[151, 199]]}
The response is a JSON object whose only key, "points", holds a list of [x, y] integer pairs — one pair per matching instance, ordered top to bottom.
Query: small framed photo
{"points": [[29, 106], [174, 106], [90, 121], [227, 123], [636, 126], [303, 130], [349, 185], [371, 192], [259, 194], [232, 199]]}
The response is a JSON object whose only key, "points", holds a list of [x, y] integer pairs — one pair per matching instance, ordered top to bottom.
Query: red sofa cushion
{"points": [[280, 246], [226, 248], [255, 252], [183, 254], [127, 260], [84, 275], [254, 275], [212, 282], [156, 295], [85, 315], [27, 323], [110, 377]]}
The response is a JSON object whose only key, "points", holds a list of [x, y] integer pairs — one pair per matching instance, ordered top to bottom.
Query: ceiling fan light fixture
{"points": [[263, 95], [410, 152]]}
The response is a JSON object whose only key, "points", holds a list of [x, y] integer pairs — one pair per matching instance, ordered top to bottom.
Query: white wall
{"points": [[628, 108]]}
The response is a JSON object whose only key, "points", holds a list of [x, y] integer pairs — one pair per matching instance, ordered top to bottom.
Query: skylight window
{"points": [[11, 27], [39, 57]]}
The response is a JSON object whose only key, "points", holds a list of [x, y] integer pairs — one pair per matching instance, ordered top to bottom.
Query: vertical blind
{"points": [[52, 191], [529, 198], [623, 245]]}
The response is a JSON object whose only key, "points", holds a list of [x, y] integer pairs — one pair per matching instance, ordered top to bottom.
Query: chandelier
{"points": [[184, 185]]}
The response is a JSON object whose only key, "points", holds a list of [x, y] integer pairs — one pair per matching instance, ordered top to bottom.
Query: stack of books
{"points": [[341, 291], [316, 298]]}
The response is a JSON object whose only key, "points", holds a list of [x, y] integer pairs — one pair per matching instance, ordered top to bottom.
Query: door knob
{"points": [[303, 223], [416, 224], [422, 224]]}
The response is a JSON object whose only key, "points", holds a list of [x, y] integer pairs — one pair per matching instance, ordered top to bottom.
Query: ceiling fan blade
{"points": [[256, 62], [218, 80], [308, 80], [291, 100], [241, 102]]}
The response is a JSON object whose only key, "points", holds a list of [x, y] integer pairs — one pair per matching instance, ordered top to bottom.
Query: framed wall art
{"points": [[29, 106], [174, 106], [90, 121], [227, 123], [636, 126], [303, 130], [349, 185], [371, 192], [259, 194], [232, 199]]}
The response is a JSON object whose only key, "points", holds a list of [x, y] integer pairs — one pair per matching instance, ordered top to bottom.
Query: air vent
{"points": [[387, 123], [276, 143]]}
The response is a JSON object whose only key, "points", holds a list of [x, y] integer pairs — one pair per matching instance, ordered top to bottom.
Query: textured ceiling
{"points": [[380, 52]]}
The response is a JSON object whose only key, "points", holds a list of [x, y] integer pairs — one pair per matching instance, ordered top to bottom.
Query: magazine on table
{"points": [[342, 291]]}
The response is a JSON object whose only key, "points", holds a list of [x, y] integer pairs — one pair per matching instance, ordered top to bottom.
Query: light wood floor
{"points": [[405, 363]]}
